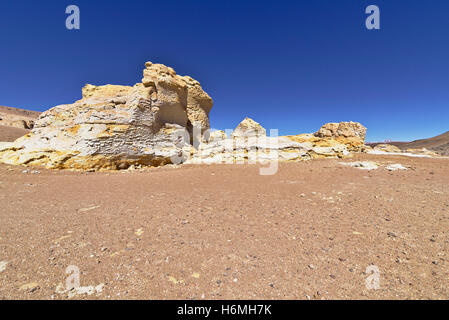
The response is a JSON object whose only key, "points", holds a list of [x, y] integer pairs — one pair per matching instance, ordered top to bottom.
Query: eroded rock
{"points": [[114, 127]]}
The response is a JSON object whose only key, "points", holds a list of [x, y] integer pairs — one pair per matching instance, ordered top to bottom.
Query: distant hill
{"points": [[15, 122], [438, 144]]}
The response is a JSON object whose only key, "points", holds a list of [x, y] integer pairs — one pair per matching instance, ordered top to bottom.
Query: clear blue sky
{"points": [[291, 65]]}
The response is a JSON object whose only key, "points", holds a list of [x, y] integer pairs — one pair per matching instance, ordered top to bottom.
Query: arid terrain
{"points": [[17, 118], [15, 122], [439, 144], [226, 232]]}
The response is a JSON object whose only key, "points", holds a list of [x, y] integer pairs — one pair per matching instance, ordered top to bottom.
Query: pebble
{"points": [[391, 234], [3, 265], [31, 287]]}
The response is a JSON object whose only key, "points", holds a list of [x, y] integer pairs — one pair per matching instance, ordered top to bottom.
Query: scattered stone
{"points": [[363, 165], [395, 167], [88, 208], [391, 234], [3, 265], [174, 280], [31, 287]]}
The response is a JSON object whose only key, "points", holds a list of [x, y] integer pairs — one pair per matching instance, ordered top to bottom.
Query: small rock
{"points": [[395, 167], [88, 208], [391, 234], [3, 265], [31, 287]]}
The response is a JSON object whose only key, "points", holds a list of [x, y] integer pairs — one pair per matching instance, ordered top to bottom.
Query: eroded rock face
{"points": [[177, 94], [113, 127], [248, 128], [342, 129], [351, 134], [249, 143], [387, 148]]}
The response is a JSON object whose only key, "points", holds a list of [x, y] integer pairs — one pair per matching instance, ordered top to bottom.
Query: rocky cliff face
{"points": [[113, 127]]}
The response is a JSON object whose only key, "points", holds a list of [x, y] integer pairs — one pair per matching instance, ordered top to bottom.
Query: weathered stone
{"points": [[114, 127], [247, 128], [342, 129], [249, 143], [386, 148]]}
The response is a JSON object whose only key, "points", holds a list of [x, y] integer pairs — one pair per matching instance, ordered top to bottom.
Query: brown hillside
{"points": [[438, 144]]}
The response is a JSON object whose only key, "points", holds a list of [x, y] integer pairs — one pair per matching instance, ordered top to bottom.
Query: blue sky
{"points": [[291, 65]]}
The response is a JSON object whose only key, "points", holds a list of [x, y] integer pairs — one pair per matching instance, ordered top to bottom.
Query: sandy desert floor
{"points": [[225, 232]]}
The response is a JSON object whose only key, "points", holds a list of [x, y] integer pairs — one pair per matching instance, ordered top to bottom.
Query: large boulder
{"points": [[114, 127], [248, 128], [342, 129], [351, 134]]}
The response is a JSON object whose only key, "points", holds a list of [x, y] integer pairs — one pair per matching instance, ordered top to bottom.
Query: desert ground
{"points": [[15, 122], [226, 232]]}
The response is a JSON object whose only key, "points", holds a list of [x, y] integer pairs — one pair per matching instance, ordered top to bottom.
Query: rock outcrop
{"points": [[162, 120], [114, 127], [249, 128], [342, 129], [249, 143], [387, 148]]}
